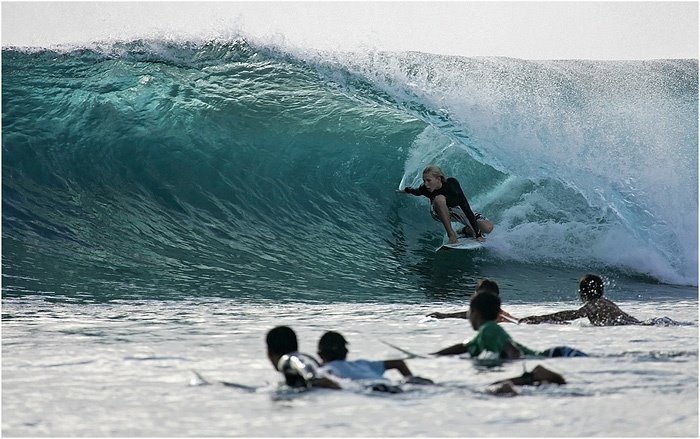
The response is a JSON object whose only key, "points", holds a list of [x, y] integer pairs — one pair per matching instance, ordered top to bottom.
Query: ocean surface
{"points": [[165, 204]]}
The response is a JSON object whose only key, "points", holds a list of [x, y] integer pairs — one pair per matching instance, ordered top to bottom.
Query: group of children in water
{"points": [[491, 342]]}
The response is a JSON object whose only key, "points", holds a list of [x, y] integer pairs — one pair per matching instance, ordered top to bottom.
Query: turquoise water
{"points": [[167, 170], [166, 203]]}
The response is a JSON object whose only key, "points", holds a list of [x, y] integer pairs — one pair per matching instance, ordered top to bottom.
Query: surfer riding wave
{"points": [[448, 203]]}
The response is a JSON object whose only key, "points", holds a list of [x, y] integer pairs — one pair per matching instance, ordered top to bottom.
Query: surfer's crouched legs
{"points": [[439, 211], [443, 214], [485, 226]]}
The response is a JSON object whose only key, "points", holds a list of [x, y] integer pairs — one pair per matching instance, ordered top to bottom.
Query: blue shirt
{"points": [[355, 370]]}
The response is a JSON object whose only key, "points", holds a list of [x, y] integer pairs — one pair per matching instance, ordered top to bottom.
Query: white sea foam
{"points": [[621, 136], [124, 369]]}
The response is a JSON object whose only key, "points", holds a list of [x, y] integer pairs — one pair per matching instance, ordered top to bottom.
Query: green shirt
{"points": [[491, 337]]}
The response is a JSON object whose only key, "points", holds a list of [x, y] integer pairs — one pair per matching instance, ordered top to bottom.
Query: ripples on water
{"points": [[126, 369]]}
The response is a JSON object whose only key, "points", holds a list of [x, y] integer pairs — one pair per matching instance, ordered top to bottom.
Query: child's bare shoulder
{"points": [[602, 304], [605, 312]]}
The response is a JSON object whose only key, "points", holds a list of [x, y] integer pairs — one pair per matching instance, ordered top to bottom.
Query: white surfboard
{"points": [[462, 244]]}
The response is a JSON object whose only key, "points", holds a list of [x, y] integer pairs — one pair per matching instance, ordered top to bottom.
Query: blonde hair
{"points": [[435, 171]]}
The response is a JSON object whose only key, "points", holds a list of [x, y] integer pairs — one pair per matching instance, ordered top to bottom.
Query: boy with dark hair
{"points": [[483, 286], [599, 310], [483, 311], [333, 352], [299, 370]]}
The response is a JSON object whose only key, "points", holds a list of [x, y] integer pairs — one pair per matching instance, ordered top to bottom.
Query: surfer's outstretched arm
{"points": [[420, 191], [449, 315], [503, 316], [557, 317], [457, 349], [399, 365], [539, 375], [325, 383]]}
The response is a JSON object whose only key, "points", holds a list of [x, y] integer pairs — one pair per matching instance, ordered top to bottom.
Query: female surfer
{"points": [[448, 203]]}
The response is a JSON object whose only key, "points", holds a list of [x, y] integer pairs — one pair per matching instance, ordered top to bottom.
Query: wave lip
{"points": [[252, 168]]}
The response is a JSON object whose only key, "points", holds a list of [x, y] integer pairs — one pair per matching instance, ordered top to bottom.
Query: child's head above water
{"points": [[487, 286], [590, 287], [483, 307], [281, 340], [331, 347]]}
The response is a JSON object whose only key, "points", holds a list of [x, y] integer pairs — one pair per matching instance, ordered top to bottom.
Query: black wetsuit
{"points": [[454, 196]]}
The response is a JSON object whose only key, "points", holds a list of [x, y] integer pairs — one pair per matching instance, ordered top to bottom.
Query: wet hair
{"points": [[435, 171], [487, 286], [590, 287], [488, 305], [281, 340], [331, 346]]}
